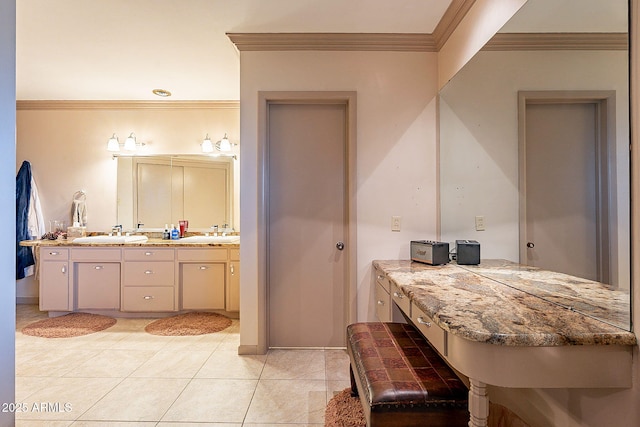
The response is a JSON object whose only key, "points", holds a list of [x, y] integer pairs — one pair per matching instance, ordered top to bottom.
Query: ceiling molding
{"points": [[450, 20], [558, 41], [398, 42], [124, 105]]}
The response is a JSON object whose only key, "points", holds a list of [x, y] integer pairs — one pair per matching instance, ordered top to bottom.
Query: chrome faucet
{"points": [[140, 224], [117, 229], [215, 230]]}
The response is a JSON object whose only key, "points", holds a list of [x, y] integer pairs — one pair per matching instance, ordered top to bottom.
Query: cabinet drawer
{"points": [[52, 253], [95, 254], [149, 254], [197, 254], [234, 254], [149, 273], [383, 280], [97, 285], [202, 286], [148, 298], [400, 299], [383, 304], [432, 332]]}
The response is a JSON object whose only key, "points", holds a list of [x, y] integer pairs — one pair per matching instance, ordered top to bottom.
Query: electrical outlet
{"points": [[395, 223], [479, 223]]}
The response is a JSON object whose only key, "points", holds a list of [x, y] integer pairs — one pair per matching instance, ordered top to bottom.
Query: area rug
{"points": [[195, 323], [69, 325], [344, 411]]}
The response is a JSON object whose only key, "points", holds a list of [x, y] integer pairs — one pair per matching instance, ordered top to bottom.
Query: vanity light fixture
{"points": [[130, 143], [113, 144], [223, 144], [207, 145]]}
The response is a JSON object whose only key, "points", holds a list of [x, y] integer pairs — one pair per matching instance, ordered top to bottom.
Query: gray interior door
{"points": [[307, 220]]}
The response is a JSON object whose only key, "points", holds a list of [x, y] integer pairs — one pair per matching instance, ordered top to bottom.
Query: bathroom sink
{"points": [[111, 239], [211, 239]]}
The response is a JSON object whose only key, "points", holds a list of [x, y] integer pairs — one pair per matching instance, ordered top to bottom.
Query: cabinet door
{"points": [[97, 285], [54, 286], [202, 286], [233, 287], [383, 303]]}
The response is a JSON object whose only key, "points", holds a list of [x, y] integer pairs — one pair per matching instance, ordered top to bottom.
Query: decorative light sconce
{"points": [[130, 144], [207, 145], [223, 146]]}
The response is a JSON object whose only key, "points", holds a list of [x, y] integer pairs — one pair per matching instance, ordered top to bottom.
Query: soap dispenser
{"points": [[175, 234], [166, 235]]}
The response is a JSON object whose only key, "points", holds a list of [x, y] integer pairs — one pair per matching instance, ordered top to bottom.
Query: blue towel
{"points": [[24, 255]]}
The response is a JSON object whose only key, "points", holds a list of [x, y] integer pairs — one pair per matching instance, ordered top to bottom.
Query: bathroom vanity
{"points": [[139, 278], [487, 323]]}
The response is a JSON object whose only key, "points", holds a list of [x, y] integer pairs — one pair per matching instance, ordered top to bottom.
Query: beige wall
{"points": [[67, 151], [396, 155]]}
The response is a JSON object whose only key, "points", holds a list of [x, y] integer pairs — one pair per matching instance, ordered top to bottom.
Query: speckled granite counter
{"points": [[150, 242], [481, 303], [494, 333]]}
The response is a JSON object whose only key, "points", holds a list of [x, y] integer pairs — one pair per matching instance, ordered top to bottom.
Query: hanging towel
{"points": [[79, 211], [35, 224], [24, 255]]}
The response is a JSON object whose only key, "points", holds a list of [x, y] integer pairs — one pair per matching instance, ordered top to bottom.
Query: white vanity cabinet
{"points": [[96, 278], [139, 278], [202, 278], [54, 279], [148, 279], [233, 282]]}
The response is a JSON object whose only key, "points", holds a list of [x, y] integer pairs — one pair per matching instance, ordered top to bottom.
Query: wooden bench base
{"points": [[401, 380]]}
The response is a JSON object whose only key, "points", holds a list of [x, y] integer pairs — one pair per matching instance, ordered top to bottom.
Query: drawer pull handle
{"points": [[54, 253], [148, 253], [98, 267], [203, 267], [64, 269], [233, 270], [148, 272], [380, 277], [398, 295], [148, 297], [380, 302], [424, 322]]}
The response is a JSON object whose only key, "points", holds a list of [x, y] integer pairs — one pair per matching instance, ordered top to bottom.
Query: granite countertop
{"points": [[151, 242], [466, 301]]}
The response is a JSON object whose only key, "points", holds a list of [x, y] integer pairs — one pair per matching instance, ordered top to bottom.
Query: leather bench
{"points": [[401, 379]]}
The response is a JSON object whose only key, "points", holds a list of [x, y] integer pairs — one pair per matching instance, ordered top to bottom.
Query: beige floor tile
{"points": [[140, 339], [206, 342], [55, 362], [112, 363], [172, 364], [228, 364], [294, 364], [337, 364], [26, 386], [335, 387], [66, 398], [137, 399], [213, 400], [288, 401], [35, 423], [113, 424], [172, 424], [282, 425]]}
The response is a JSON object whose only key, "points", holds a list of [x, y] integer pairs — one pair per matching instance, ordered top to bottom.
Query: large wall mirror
{"points": [[534, 143], [163, 189]]}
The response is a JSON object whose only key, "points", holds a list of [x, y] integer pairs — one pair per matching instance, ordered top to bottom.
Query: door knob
{"points": [[530, 245], [340, 246]]}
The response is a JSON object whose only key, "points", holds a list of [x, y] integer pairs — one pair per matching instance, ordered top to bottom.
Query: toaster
{"points": [[430, 252]]}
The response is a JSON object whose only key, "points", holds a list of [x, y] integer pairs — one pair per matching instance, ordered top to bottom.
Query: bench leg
{"points": [[354, 387]]}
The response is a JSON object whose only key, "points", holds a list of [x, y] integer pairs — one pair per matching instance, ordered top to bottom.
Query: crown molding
{"points": [[452, 17], [558, 41], [398, 42], [124, 105]]}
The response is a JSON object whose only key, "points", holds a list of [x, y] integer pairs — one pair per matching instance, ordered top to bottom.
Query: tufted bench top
{"points": [[397, 367]]}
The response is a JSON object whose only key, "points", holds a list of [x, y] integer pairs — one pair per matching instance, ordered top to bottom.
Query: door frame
{"points": [[265, 99], [606, 197]]}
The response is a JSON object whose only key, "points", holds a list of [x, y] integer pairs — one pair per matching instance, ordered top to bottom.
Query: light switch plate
{"points": [[479, 223]]}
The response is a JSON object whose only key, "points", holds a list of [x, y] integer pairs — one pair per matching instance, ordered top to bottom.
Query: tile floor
{"points": [[126, 377]]}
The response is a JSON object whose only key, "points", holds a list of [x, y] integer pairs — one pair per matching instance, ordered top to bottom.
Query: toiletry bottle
{"points": [[175, 234], [166, 235]]}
